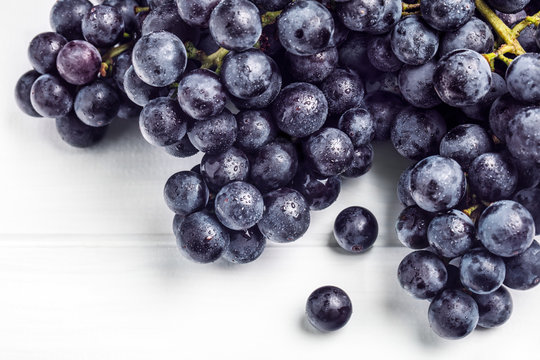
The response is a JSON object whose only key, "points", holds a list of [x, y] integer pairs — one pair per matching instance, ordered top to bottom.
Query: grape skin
{"points": [[508, 6], [126, 8], [196, 12], [361, 15], [446, 15], [390, 16], [66, 17], [166, 18], [103, 26], [474, 35], [413, 42], [43, 51], [353, 54], [380, 54], [78, 62], [121, 64], [313, 68], [246, 74], [523, 77], [416, 85], [23, 90], [137, 90], [343, 90], [201, 95], [51, 97], [266, 98], [97, 104], [384, 107], [480, 110], [501, 112], [162, 122], [359, 126], [256, 128], [76, 133], [215, 134], [523, 136], [465, 143], [182, 149], [329, 152], [361, 163], [274, 166], [223, 168], [493, 177], [404, 187], [185, 192], [319, 193], [530, 199], [239, 205], [412, 227], [356, 229], [245, 246], [523, 270], [481, 272], [422, 274], [328, 308], [494, 308], [453, 314]]}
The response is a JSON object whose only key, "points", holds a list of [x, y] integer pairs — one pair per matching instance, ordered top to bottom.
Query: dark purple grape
{"points": [[509, 6], [127, 8], [196, 12], [361, 15], [447, 15], [66, 17], [166, 18], [389, 18], [511, 19], [235, 24], [103, 26], [305, 27], [474, 35], [527, 39], [269, 41], [413, 42], [43, 51], [353, 54], [381, 56], [78, 62], [121, 65], [313, 68], [246, 74], [462, 78], [522, 78], [384, 82], [416, 85], [23, 90], [137, 90], [343, 90], [201, 95], [51, 97], [266, 98], [97, 104], [384, 107], [128, 109], [300, 109], [480, 110], [502, 111], [162, 122], [359, 125], [256, 128], [76, 133], [417, 133], [215, 134], [523, 136], [464, 143], [183, 149], [329, 152], [362, 162], [274, 166], [223, 168], [492, 177], [437, 183], [404, 187], [185, 192], [319, 193], [530, 199], [239, 205], [286, 216], [177, 223], [411, 227], [506, 228], [356, 229], [202, 238], [245, 246], [523, 270], [482, 272], [422, 274], [328, 308], [494, 308], [453, 314]]}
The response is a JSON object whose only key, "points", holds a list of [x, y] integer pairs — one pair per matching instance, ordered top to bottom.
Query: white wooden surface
{"points": [[89, 268]]}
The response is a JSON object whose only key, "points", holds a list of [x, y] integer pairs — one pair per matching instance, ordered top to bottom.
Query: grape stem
{"points": [[411, 7], [140, 9], [270, 17], [529, 20], [107, 59], [207, 61]]}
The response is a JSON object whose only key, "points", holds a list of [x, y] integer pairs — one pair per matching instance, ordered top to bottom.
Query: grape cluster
{"points": [[284, 99]]}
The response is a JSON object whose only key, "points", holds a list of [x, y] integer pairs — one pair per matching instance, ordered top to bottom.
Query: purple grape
{"points": [[509, 6], [127, 8], [196, 12], [361, 15], [446, 15], [390, 16], [66, 17], [166, 18], [103, 26], [474, 35], [413, 41], [43, 51], [353, 54], [381, 56], [78, 62], [121, 65], [313, 68], [522, 77], [416, 85], [137, 90], [343, 90], [23, 91], [201, 95], [51, 97], [266, 98], [97, 104], [384, 107], [128, 109], [502, 111], [162, 122], [359, 125], [256, 128], [76, 133], [215, 134], [523, 136], [464, 143], [182, 149], [329, 152], [362, 162], [274, 166], [223, 168], [492, 177], [404, 187], [185, 192], [319, 193], [530, 199], [239, 205], [412, 227], [356, 229], [451, 234], [245, 246], [523, 270], [482, 272], [422, 274], [328, 308], [494, 308], [453, 314]]}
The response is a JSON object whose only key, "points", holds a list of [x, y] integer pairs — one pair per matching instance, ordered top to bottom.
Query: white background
{"points": [[89, 268]]}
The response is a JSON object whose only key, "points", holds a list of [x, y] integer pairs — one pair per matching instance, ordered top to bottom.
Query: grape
{"points": [[271, 5], [508, 6], [126, 7], [196, 12], [361, 15], [446, 15], [390, 16], [66, 17], [166, 18], [511, 19], [235, 24], [103, 26], [305, 28], [474, 35], [527, 39], [413, 42], [207, 44], [43, 51], [353, 54], [381, 56], [159, 58], [78, 62], [121, 64], [313, 68], [246, 74], [462, 78], [522, 78], [385, 82], [416, 85], [23, 90], [137, 90], [343, 90], [201, 94], [51, 97], [266, 98], [97, 104], [384, 107], [128, 109], [300, 109], [480, 110], [502, 111], [162, 122], [359, 126], [255, 129], [76, 133], [417, 133], [214, 135], [523, 136], [464, 143], [183, 149], [329, 152], [362, 162], [274, 166], [220, 169], [493, 177], [437, 183], [404, 187], [185, 192], [319, 193], [530, 199], [239, 205], [286, 216], [177, 223], [412, 226], [506, 228], [356, 229], [202, 238], [245, 246], [523, 270], [481, 272], [422, 274], [328, 308], [494, 308], [453, 314]]}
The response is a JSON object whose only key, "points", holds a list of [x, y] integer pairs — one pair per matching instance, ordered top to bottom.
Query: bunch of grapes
{"points": [[284, 99]]}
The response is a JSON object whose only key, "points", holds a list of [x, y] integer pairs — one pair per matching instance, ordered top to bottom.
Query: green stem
{"points": [[410, 7], [140, 9], [270, 17], [529, 20], [107, 59], [207, 61]]}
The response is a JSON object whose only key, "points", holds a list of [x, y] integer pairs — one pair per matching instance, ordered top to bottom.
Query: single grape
{"points": [[508, 6], [126, 7], [196, 12], [361, 15], [447, 15], [390, 16], [66, 17], [166, 18], [103, 26], [474, 35], [527, 39], [413, 42], [43, 51], [353, 54], [381, 56], [78, 62], [121, 64], [313, 68], [246, 74], [522, 77], [416, 85], [137, 90], [343, 90], [23, 91], [201, 95], [51, 97], [266, 98], [97, 104], [384, 107], [128, 109], [480, 110], [502, 111], [162, 122], [359, 126], [256, 128], [76, 133], [215, 134], [523, 136], [464, 143], [182, 149], [329, 152], [362, 162], [274, 166], [223, 168], [492, 177], [404, 188], [185, 192], [319, 193], [530, 199], [239, 205], [177, 223], [412, 226], [506, 228], [356, 229], [245, 246], [523, 270], [482, 272], [422, 274], [328, 308], [494, 308], [453, 314]]}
